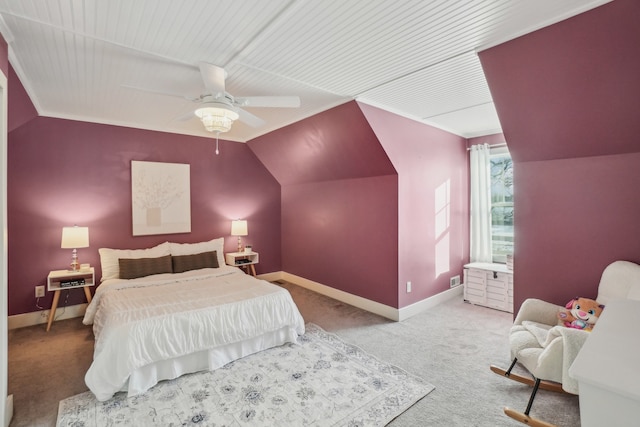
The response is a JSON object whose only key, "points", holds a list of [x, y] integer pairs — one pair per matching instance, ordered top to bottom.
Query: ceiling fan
{"points": [[216, 97], [218, 109]]}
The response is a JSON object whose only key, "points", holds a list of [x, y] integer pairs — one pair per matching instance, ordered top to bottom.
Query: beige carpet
{"points": [[451, 345]]}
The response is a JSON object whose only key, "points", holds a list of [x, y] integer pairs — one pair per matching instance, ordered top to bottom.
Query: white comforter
{"points": [[142, 321]]}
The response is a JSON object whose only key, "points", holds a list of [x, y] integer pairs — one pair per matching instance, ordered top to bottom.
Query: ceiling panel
{"points": [[84, 59], [453, 85]]}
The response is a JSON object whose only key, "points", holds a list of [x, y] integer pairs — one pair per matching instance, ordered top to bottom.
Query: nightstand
{"points": [[246, 260], [59, 280]]}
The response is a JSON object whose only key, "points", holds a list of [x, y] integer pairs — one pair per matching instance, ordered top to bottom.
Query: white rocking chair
{"points": [[547, 350]]}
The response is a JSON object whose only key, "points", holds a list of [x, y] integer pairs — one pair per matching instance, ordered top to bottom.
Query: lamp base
{"points": [[75, 264]]}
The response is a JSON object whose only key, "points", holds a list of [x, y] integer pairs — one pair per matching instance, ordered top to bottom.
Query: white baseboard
{"points": [[270, 277], [363, 303], [427, 303], [394, 314], [398, 315], [38, 317], [8, 410]]}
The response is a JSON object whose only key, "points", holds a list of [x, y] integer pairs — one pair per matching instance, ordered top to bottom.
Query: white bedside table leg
{"points": [[87, 293], [54, 306]]}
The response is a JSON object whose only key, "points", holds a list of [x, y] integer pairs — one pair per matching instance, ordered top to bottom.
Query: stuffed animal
{"points": [[581, 313]]}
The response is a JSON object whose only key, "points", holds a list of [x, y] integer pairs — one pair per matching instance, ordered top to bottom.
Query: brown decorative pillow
{"points": [[182, 263], [132, 268]]}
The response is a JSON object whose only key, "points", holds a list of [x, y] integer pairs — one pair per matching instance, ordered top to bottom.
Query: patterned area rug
{"points": [[323, 381]]}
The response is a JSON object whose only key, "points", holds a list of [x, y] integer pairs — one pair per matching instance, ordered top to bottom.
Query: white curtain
{"points": [[480, 204]]}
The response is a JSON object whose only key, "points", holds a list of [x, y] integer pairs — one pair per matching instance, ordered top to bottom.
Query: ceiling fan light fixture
{"points": [[217, 119]]}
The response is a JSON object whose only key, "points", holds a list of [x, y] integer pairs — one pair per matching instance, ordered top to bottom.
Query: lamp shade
{"points": [[216, 117], [239, 227], [75, 237]]}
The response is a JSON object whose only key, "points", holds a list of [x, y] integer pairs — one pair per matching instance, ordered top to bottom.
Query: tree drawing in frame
{"points": [[161, 198]]}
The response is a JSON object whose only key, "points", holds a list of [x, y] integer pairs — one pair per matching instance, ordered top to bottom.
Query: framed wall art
{"points": [[161, 198]]}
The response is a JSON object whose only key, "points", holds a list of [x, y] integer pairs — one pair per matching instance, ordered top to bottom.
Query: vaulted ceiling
{"points": [[135, 62]]}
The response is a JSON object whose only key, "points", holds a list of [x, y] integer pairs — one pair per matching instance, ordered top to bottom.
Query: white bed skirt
{"points": [[146, 377]]}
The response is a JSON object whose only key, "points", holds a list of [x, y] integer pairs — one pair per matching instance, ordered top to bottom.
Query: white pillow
{"points": [[197, 248], [109, 258]]}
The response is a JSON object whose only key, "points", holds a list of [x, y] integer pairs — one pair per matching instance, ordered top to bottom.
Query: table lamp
{"points": [[239, 228], [73, 238]]}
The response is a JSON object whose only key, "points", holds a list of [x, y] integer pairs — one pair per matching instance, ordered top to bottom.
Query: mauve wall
{"points": [[567, 98], [21, 109], [335, 144], [64, 172], [339, 202], [574, 217], [350, 221], [433, 224], [344, 234]]}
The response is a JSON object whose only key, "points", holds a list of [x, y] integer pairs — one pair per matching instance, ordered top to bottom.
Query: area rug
{"points": [[321, 381]]}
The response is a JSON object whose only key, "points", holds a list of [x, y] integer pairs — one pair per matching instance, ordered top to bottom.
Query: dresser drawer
{"points": [[475, 274], [475, 285], [489, 285], [497, 285], [474, 292], [475, 296], [497, 297]]}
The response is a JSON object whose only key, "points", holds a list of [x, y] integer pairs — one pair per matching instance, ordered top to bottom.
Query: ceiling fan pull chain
{"points": [[217, 151]]}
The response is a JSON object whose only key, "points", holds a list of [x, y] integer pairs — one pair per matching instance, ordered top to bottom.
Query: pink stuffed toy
{"points": [[583, 313]]}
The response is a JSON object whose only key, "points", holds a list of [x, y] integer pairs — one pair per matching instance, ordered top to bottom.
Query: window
{"points": [[501, 204]]}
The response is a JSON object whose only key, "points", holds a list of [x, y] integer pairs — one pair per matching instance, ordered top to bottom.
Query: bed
{"points": [[174, 309]]}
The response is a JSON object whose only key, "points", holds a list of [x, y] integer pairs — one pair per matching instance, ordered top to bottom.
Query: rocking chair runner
{"points": [[547, 350]]}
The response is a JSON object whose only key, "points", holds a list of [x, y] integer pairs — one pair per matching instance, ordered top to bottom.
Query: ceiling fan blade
{"points": [[213, 77], [158, 92], [269, 101], [186, 116], [250, 119]]}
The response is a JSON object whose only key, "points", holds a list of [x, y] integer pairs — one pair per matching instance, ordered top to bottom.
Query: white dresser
{"points": [[490, 285], [607, 368]]}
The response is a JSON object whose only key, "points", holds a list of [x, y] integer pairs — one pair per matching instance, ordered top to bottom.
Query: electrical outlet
{"points": [[454, 281], [408, 287], [39, 291]]}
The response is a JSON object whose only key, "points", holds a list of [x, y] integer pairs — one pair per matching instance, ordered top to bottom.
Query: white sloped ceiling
{"points": [[83, 60]]}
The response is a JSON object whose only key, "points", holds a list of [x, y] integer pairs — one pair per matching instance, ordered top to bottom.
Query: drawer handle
{"points": [[495, 274]]}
